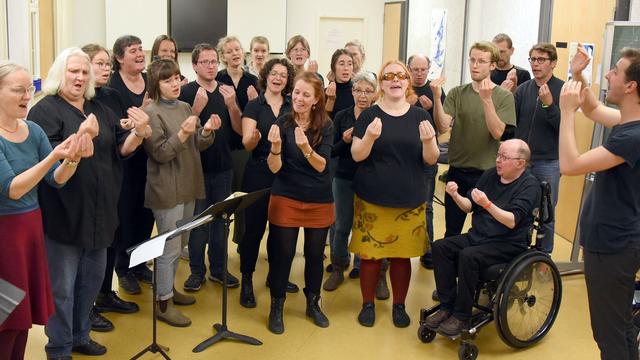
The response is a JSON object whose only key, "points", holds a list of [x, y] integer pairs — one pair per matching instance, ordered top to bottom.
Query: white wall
{"points": [[517, 18], [18, 31], [419, 34]]}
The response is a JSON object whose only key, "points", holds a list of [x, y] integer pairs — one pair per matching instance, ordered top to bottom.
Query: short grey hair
{"points": [[8, 67], [367, 77], [55, 79]]}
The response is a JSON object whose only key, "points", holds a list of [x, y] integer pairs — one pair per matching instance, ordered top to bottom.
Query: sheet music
{"points": [[149, 250]]}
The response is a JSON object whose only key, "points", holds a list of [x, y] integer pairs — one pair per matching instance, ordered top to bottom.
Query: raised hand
{"points": [[579, 61], [313, 66], [513, 76], [508, 84], [436, 86], [485, 89], [330, 91], [252, 93], [229, 94], [545, 95], [570, 96], [412, 99], [146, 100], [200, 101], [425, 102], [140, 121], [214, 123], [189, 125], [89, 126], [374, 129], [427, 133], [347, 135], [255, 136], [274, 138], [301, 139], [85, 146], [68, 149], [451, 188], [479, 197]]}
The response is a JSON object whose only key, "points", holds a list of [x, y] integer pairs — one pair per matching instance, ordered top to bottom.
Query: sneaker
{"points": [[354, 273], [144, 274], [232, 281], [193, 283], [129, 284], [110, 302], [367, 316], [400, 317], [436, 319], [98, 322], [451, 327], [91, 348]]}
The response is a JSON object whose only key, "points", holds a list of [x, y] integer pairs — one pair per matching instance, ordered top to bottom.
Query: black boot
{"points": [[247, 299], [314, 311], [276, 324]]}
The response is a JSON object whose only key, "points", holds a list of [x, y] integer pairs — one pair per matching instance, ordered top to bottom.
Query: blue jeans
{"points": [[549, 171], [430, 173], [217, 187], [343, 198], [167, 263], [76, 277]]}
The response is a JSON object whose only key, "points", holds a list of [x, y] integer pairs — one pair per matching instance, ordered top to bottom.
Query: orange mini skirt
{"points": [[287, 212]]}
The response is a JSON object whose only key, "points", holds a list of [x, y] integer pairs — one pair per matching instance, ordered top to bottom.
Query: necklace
{"points": [[11, 131]]}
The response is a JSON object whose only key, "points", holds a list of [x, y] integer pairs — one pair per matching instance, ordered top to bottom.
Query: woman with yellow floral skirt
{"points": [[392, 141]]}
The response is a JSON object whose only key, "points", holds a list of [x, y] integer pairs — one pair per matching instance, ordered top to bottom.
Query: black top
{"points": [[499, 76], [246, 80], [426, 90], [129, 98], [344, 98], [112, 99], [260, 111], [343, 120], [537, 125], [217, 157], [393, 173], [297, 179], [519, 197], [84, 213], [610, 219]]}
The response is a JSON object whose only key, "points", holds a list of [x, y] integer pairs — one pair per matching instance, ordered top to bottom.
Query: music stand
{"points": [[223, 210], [10, 297]]}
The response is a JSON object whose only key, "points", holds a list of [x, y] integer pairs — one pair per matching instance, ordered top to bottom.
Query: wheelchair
{"points": [[523, 296]]}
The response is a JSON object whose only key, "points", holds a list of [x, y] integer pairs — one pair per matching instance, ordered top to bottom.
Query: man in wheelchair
{"points": [[502, 204]]}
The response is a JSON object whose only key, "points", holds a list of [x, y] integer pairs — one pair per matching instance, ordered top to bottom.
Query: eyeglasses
{"points": [[298, 50], [539, 60], [475, 61], [208, 62], [103, 66], [281, 75], [400, 75], [21, 90], [360, 92], [503, 157]]}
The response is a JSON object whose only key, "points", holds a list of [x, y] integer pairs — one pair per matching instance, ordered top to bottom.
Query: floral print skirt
{"points": [[384, 232]]}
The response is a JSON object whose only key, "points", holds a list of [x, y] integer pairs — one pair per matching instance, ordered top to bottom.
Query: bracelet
{"points": [[544, 106], [275, 153], [307, 156], [70, 163], [488, 205]]}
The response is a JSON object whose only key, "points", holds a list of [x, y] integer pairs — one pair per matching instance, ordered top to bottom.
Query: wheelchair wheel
{"points": [[528, 301], [425, 334], [467, 351]]}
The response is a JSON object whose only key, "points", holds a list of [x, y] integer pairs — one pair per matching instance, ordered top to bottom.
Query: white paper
{"points": [[438, 42], [149, 250]]}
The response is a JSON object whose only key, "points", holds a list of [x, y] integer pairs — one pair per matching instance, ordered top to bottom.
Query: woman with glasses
{"points": [[298, 52], [277, 80], [363, 95], [392, 141], [26, 157], [174, 177]]}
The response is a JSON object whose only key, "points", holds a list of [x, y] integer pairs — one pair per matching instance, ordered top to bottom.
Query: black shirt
{"points": [[499, 76], [246, 80], [426, 90], [129, 98], [344, 98], [112, 99], [260, 111], [344, 120], [537, 125], [217, 157], [393, 173], [297, 179], [519, 197], [83, 213], [610, 219]]}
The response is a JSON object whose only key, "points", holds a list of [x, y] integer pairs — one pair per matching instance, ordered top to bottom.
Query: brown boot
{"points": [[335, 279], [182, 299], [165, 311]]}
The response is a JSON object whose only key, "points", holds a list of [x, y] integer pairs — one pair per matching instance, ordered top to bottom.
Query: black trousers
{"points": [[257, 176], [466, 180], [281, 248], [455, 257], [610, 282]]}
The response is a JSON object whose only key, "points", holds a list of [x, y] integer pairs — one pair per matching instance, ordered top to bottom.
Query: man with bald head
{"points": [[502, 206]]}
